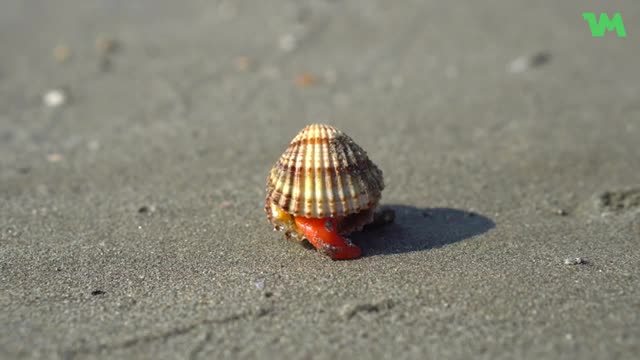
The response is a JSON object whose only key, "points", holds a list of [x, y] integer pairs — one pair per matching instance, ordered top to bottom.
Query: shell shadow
{"points": [[417, 229]]}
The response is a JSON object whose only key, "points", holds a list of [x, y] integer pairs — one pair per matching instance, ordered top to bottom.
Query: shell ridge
{"points": [[318, 168], [366, 174], [289, 175], [331, 178], [371, 178], [298, 179], [309, 183], [347, 183], [357, 189], [274, 192], [280, 195]]}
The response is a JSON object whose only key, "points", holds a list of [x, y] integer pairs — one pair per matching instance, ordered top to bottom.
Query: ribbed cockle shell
{"points": [[323, 174]]}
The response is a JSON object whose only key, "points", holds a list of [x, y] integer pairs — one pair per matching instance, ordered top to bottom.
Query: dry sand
{"points": [[131, 214]]}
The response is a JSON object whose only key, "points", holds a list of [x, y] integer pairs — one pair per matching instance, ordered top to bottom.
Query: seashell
{"points": [[323, 173]]}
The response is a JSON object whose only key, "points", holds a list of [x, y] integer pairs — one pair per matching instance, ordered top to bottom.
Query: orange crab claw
{"points": [[323, 235]]}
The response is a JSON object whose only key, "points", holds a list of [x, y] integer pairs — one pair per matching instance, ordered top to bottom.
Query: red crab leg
{"points": [[323, 235]]}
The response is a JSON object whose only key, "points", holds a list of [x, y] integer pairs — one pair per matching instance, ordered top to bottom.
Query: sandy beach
{"points": [[136, 137]]}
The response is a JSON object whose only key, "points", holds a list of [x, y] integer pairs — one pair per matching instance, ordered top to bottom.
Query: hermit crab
{"points": [[323, 188]]}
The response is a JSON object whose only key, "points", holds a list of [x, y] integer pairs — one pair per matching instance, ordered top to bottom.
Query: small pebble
{"points": [[287, 42], [105, 45], [61, 53], [540, 59], [241, 63], [523, 63], [518, 65], [306, 79], [55, 98], [93, 145], [54, 158], [225, 205], [560, 212], [574, 261], [260, 284]]}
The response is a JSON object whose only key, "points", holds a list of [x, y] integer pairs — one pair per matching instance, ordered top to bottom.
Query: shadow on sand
{"points": [[416, 229]]}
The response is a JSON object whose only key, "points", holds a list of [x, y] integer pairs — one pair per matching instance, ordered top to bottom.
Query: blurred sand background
{"points": [[131, 213]]}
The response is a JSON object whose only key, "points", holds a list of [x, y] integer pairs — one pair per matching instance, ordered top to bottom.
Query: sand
{"points": [[131, 213]]}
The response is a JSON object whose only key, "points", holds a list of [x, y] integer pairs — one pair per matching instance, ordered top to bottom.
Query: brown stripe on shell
{"points": [[331, 170], [328, 171], [290, 184], [281, 186], [322, 186], [342, 186], [293, 203]]}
